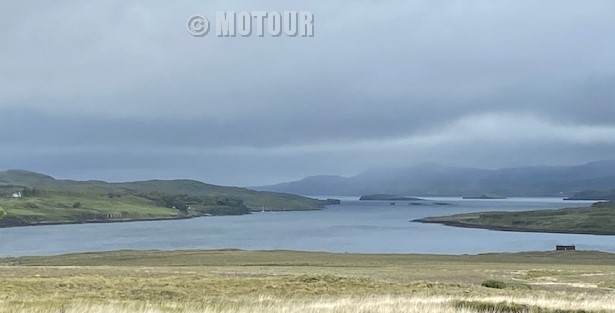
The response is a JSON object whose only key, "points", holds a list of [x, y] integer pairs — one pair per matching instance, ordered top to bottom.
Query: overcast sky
{"points": [[119, 90]]}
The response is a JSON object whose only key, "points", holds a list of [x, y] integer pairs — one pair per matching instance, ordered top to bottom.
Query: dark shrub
{"points": [[494, 284]]}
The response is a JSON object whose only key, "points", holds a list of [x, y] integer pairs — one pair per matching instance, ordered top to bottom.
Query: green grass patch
{"points": [[45, 200]]}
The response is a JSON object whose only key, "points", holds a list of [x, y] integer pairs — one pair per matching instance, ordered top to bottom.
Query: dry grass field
{"points": [[285, 281]]}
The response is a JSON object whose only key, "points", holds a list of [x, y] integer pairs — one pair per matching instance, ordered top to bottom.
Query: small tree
{"points": [[2, 213]]}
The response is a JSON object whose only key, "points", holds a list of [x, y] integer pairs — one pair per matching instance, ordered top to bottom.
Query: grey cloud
{"points": [[123, 81]]}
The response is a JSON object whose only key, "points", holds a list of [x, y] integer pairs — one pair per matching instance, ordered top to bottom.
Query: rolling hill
{"points": [[32, 198]]}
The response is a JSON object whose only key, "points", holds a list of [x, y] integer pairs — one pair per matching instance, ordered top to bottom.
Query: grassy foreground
{"points": [[598, 219], [285, 281]]}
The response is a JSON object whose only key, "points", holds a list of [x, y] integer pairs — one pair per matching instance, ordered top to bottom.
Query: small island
{"points": [[385, 197], [485, 197], [331, 201], [424, 203], [595, 220]]}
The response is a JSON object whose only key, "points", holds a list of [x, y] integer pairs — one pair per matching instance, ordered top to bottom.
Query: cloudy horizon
{"points": [[121, 91]]}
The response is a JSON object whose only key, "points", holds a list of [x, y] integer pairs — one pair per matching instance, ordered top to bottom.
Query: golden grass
{"points": [[283, 281], [344, 304], [258, 305]]}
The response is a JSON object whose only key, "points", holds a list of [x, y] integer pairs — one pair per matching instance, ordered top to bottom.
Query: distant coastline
{"points": [[386, 197], [485, 197], [31, 199], [141, 219], [594, 220], [75, 222], [514, 229]]}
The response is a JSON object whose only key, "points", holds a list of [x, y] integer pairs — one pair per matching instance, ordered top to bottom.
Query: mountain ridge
{"points": [[439, 180]]}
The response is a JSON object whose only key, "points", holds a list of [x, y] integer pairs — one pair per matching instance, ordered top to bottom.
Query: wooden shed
{"points": [[565, 248]]}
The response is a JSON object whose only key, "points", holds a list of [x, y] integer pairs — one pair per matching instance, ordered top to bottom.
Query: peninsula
{"points": [[30, 198], [599, 219]]}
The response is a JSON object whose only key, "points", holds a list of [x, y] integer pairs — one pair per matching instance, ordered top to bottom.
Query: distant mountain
{"points": [[439, 180]]}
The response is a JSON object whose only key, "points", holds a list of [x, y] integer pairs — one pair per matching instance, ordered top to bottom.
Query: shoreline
{"points": [[153, 219], [514, 229], [300, 254]]}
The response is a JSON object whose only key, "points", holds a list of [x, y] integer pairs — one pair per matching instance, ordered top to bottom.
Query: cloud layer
{"points": [[119, 90]]}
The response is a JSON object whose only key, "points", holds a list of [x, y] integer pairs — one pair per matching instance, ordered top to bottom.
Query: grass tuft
{"points": [[498, 284], [510, 307]]}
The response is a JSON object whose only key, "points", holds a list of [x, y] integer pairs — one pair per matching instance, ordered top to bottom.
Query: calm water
{"points": [[351, 227]]}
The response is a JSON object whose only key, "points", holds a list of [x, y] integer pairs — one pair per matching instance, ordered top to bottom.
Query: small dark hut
{"points": [[565, 248]]}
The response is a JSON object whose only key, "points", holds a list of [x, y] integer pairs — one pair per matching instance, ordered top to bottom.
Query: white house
{"points": [[16, 195]]}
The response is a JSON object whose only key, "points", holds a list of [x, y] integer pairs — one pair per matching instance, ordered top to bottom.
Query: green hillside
{"points": [[602, 195], [45, 200], [599, 219]]}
